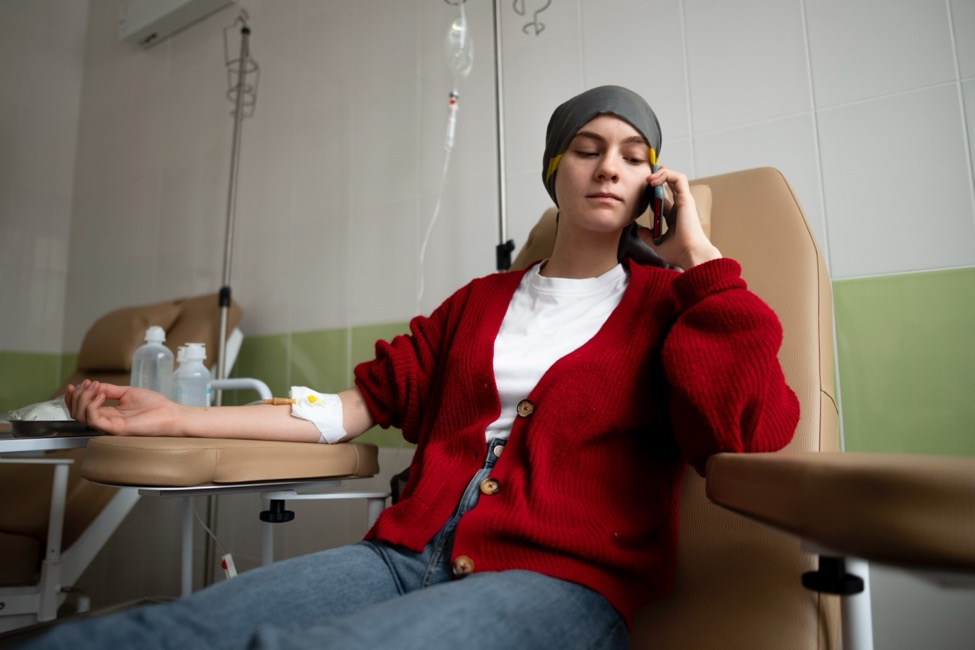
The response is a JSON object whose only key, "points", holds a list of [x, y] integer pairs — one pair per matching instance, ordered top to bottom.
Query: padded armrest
{"points": [[184, 462], [902, 509]]}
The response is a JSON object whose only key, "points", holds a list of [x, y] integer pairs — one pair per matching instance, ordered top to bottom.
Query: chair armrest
{"points": [[912, 510]]}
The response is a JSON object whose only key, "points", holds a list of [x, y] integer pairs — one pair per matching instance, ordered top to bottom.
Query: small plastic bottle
{"points": [[180, 358], [152, 363], [192, 377]]}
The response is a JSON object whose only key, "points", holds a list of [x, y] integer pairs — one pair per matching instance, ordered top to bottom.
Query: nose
{"points": [[608, 169]]}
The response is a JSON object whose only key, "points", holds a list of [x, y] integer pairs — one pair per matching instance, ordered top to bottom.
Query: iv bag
{"points": [[459, 47]]}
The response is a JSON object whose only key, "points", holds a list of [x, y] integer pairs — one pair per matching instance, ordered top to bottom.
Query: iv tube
{"points": [[459, 49]]}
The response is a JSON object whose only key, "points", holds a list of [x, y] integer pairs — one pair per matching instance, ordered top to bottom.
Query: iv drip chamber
{"points": [[459, 48]]}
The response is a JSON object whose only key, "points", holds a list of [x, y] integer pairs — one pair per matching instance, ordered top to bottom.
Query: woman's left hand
{"points": [[684, 244], [137, 411]]}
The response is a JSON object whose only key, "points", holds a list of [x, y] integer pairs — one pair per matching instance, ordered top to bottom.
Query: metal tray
{"points": [[49, 428]]}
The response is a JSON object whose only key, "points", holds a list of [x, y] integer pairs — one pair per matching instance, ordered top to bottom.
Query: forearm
{"points": [[256, 422], [268, 422]]}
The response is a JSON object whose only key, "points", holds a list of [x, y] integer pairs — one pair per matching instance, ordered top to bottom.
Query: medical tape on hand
{"points": [[324, 410]]}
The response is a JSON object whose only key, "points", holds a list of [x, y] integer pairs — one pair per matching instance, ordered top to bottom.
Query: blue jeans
{"points": [[368, 595]]}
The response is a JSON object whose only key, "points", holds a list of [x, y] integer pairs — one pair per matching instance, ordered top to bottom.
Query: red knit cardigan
{"points": [[684, 367]]}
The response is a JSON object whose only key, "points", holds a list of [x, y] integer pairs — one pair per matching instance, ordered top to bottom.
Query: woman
{"points": [[553, 412]]}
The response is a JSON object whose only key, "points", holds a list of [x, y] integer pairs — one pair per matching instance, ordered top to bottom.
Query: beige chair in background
{"points": [[93, 507], [91, 512]]}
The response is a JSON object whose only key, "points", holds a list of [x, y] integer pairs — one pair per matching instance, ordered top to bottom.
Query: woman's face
{"points": [[602, 175]]}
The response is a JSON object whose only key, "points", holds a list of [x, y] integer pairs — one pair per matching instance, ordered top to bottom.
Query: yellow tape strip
{"points": [[553, 164]]}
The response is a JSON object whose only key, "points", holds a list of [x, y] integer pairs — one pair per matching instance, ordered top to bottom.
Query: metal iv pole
{"points": [[244, 97], [505, 246]]}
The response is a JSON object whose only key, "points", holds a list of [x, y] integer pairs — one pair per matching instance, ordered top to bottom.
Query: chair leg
{"points": [[375, 506], [275, 512], [186, 577], [50, 584], [853, 587], [855, 610]]}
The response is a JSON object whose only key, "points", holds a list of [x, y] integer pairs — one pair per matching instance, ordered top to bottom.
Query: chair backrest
{"points": [[106, 350], [105, 355], [738, 583]]}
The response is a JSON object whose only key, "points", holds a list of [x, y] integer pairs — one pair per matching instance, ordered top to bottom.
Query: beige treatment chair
{"points": [[812, 515], [738, 583], [32, 587]]}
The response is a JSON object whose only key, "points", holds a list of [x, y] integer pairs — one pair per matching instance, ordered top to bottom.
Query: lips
{"points": [[604, 195]]}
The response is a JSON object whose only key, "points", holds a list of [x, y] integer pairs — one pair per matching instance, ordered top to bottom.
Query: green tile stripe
{"points": [[905, 345], [906, 359], [26, 378]]}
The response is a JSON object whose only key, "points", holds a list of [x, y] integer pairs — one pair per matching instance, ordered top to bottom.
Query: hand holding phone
{"points": [[630, 243]]}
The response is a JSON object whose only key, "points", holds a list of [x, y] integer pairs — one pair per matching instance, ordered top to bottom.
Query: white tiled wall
{"points": [[41, 66], [867, 107], [898, 183]]}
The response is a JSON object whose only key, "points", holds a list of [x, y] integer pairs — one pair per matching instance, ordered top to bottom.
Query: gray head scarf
{"points": [[573, 114], [569, 117]]}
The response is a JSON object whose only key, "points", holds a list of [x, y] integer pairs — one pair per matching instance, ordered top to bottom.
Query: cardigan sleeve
{"points": [[395, 385], [728, 392]]}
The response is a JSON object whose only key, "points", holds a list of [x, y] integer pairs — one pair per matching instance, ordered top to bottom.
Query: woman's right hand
{"points": [[684, 244], [138, 411]]}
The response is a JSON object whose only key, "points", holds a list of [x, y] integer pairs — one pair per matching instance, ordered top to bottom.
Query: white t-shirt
{"points": [[547, 319]]}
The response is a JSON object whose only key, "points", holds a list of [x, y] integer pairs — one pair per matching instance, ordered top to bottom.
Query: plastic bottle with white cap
{"points": [[179, 361], [152, 363], [192, 377]]}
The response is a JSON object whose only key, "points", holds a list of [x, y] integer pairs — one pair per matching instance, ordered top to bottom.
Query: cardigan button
{"points": [[525, 408], [490, 486], [462, 566]]}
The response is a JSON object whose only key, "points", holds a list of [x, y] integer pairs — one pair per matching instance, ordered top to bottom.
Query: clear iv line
{"points": [[459, 49], [426, 236]]}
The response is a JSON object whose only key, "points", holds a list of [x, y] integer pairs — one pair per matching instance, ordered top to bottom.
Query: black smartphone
{"points": [[656, 204]]}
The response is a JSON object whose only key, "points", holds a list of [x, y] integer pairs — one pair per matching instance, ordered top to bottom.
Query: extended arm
{"points": [[141, 412]]}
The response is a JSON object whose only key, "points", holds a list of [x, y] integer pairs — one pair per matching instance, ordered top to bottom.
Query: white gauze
{"points": [[324, 410]]}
